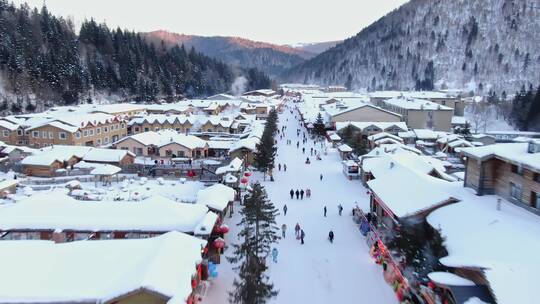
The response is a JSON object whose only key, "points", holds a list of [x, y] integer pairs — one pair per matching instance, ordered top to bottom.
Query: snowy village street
{"points": [[318, 271]]}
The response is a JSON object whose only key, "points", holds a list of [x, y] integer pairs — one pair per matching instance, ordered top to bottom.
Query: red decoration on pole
{"points": [[247, 174], [244, 180], [224, 229], [219, 243]]}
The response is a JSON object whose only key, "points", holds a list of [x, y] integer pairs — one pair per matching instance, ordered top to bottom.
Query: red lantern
{"points": [[247, 174], [244, 180], [224, 229], [219, 243]]}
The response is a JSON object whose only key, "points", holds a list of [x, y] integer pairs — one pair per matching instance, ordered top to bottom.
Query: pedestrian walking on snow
{"points": [[297, 144], [303, 150], [279, 167], [284, 167], [320, 177], [291, 193], [308, 193], [297, 194], [302, 194], [284, 209], [340, 209], [325, 211], [283, 230], [297, 231], [302, 236], [331, 236], [274, 254]]}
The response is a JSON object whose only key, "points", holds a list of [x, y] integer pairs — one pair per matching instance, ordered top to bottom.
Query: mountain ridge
{"points": [[477, 45]]}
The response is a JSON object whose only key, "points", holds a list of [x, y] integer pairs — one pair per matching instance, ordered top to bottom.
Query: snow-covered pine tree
{"points": [[318, 126], [258, 233]]}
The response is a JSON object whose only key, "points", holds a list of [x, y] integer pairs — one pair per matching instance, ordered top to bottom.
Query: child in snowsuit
{"points": [[274, 254]]}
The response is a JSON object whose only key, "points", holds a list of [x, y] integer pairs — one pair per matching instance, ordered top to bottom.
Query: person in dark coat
{"points": [[303, 150], [279, 167], [285, 168], [320, 177], [291, 193], [297, 194], [302, 194], [284, 209], [340, 209], [325, 211], [302, 235], [331, 236]]}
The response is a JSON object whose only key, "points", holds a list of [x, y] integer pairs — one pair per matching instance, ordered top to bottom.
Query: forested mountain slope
{"points": [[478, 45], [43, 61]]}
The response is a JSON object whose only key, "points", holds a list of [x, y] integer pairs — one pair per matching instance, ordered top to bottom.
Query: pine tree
{"points": [[319, 127], [266, 149], [259, 232]]}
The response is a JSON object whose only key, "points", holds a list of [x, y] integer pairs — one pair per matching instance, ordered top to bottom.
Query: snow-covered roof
{"points": [[410, 94], [416, 104], [8, 125], [361, 125], [427, 134], [382, 135], [165, 137], [335, 137], [246, 143], [345, 148], [511, 152], [106, 155], [234, 166], [105, 169], [8, 183], [216, 197], [405, 199], [56, 210], [496, 242], [98, 271], [449, 279]]}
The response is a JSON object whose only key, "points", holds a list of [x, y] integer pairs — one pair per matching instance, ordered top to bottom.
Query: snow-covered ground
{"points": [[317, 272]]}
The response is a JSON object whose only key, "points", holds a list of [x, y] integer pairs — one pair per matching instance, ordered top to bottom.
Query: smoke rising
{"points": [[238, 87]]}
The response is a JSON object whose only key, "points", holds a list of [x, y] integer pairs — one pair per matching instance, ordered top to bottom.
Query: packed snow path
{"points": [[318, 271]]}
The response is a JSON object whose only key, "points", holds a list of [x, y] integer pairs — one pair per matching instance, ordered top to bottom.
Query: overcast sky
{"points": [[276, 21]]}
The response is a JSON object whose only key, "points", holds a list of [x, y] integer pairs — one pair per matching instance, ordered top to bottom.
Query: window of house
{"points": [[123, 125], [117, 126], [105, 129], [136, 129], [146, 129], [156, 129], [98, 130], [187, 130], [210, 130], [19, 132], [91, 132], [5, 133], [85, 133], [35, 134], [44, 134], [77, 134], [51, 135], [62, 135], [106, 140], [99, 141], [124, 148], [137, 151], [181, 154], [517, 170], [536, 177], [516, 191], [535, 199]]}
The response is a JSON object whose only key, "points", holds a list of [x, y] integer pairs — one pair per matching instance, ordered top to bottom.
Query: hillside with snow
{"points": [[477, 45]]}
